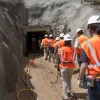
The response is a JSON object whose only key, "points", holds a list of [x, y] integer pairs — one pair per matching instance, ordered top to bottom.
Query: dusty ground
{"points": [[43, 80]]}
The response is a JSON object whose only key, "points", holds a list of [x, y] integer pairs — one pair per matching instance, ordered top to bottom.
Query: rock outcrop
{"points": [[62, 15], [12, 17]]}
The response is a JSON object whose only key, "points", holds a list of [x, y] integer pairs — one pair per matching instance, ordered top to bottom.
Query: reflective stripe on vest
{"points": [[94, 56], [65, 61]]}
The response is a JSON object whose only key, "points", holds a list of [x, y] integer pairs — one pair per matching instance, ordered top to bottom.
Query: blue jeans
{"points": [[94, 92]]}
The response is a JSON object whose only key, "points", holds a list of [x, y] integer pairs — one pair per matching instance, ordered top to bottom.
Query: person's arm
{"points": [[76, 45]]}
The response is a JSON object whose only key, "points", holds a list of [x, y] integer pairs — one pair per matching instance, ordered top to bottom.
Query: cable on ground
{"points": [[31, 62]]}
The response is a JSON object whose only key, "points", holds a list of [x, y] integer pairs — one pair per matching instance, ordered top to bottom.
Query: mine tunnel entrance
{"points": [[32, 39]]}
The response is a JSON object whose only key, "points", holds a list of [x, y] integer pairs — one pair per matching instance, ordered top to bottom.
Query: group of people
{"points": [[87, 52]]}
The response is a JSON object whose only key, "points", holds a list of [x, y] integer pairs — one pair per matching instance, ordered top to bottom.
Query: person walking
{"points": [[81, 38], [56, 40], [51, 42], [44, 44], [60, 44], [55, 54], [90, 58], [67, 65]]}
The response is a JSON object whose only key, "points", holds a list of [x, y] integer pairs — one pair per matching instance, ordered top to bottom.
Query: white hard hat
{"points": [[94, 19], [79, 29], [46, 35], [50, 35], [61, 35], [67, 37], [57, 38]]}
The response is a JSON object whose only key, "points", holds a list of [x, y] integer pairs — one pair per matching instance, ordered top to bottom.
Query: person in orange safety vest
{"points": [[81, 38], [56, 40], [51, 42], [44, 44], [55, 44], [60, 44], [90, 58], [67, 65]]}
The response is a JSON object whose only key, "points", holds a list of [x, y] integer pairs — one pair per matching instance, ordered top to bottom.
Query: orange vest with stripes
{"points": [[67, 56], [94, 66]]}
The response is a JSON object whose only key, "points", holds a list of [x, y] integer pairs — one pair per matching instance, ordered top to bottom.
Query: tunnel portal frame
{"points": [[28, 29]]}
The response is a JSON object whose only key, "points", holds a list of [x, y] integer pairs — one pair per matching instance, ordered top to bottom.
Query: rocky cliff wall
{"points": [[62, 15], [12, 18]]}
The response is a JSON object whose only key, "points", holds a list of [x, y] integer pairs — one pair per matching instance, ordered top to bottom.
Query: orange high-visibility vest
{"points": [[81, 39], [45, 42], [51, 42], [55, 44], [60, 44], [92, 49], [67, 57]]}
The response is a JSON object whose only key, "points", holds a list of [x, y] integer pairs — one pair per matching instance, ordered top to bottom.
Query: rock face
{"points": [[62, 15], [12, 19]]}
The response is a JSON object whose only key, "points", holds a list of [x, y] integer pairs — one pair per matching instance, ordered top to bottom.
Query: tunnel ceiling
{"points": [[46, 28]]}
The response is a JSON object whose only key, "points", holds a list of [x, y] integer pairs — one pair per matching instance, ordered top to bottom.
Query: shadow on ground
{"points": [[76, 71], [79, 96]]}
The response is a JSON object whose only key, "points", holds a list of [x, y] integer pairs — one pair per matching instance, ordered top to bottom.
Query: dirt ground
{"points": [[43, 80]]}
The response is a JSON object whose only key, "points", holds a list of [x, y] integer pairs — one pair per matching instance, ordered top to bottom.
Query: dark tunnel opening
{"points": [[33, 42]]}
